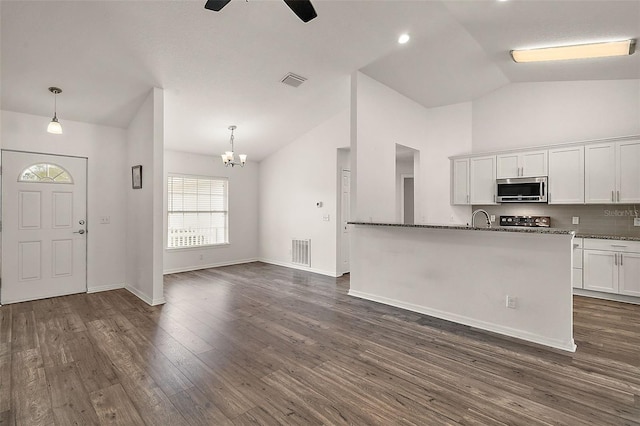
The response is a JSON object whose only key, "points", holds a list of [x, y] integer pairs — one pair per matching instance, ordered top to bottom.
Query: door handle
{"points": [[82, 231]]}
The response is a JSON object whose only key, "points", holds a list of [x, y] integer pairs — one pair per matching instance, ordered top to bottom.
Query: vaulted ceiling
{"points": [[225, 68]]}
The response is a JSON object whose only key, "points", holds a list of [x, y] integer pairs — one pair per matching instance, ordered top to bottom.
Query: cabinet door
{"points": [[533, 163], [508, 166], [628, 172], [600, 173], [566, 175], [482, 180], [460, 181], [600, 270], [629, 270]]}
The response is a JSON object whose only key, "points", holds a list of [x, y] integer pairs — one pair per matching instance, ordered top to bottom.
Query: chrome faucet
{"points": [[473, 218]]}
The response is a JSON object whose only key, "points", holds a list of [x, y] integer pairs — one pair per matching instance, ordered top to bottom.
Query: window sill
{"points": [[209, 246]]}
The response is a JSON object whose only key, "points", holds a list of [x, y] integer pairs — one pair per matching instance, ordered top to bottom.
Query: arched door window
{"points": [[45, 173]]}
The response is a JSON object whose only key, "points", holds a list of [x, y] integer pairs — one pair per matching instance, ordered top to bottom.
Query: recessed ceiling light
{"points": [[403, 38], [579, 51]]}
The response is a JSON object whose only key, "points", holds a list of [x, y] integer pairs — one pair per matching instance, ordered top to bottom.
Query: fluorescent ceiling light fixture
{"points": [[403, 38], [579, 51]]}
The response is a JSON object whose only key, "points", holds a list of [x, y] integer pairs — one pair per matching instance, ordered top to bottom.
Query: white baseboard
{"points": [[210, 265], [302, 268], [105, 288], [607, 296], [146, 299], [460, 319]]}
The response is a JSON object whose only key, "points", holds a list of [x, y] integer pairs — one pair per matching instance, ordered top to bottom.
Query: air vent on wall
{"points": [[293, 80], [301, 252]]}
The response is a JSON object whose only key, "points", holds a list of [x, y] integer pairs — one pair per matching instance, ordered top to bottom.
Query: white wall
{"points": [[530, 114], [383, 117], [108, 176], [292, 180], [243, 213], [144, 234]]}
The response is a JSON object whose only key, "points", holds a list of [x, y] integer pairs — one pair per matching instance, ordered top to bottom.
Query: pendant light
{"points": [[54, 126], [228, 158]]}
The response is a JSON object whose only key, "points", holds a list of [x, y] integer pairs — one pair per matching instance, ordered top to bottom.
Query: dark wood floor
{"points": [[261, 344]]}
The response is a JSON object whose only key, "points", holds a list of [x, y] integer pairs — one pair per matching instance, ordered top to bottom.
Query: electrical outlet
{"points": [[326, 218], [492, 218], [105, 220], [575, 220], [636, 221], [511, 302]]}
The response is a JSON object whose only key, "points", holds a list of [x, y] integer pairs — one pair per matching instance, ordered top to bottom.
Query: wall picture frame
{"points": [[136, 177]]}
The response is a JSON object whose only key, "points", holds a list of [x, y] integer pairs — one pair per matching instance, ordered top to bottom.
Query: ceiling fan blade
{"points": [[216, 4], [303, 8]]}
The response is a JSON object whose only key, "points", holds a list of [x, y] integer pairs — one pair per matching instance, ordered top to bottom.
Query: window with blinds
{"points": [[197, 211]]}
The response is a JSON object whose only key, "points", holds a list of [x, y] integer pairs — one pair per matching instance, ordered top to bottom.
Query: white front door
{"points": [[346, 208], [44, 239]]}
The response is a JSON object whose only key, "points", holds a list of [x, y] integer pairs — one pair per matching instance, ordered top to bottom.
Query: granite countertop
{"points": [[469, 228], [503, 229]]}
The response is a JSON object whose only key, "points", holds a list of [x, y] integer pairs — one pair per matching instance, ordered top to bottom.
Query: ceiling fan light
{"points": [[580, 51], [54, 126]]}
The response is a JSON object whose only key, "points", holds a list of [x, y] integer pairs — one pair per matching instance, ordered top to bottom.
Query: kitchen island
{"points": [[466, 275]]}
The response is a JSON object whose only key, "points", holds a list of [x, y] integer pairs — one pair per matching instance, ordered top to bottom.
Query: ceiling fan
{"points": [[302, 8]]}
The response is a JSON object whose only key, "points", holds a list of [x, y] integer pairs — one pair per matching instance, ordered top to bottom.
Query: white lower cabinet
{"points": [[612, 266], [600, 271], [629, 274]]}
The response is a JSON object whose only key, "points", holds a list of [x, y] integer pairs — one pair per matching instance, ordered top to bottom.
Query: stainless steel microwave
{"points": [[522, 190]]}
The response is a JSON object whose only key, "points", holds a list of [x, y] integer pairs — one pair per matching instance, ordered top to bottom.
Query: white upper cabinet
{"points": [[522, 164], [482, 172], [628, 172], [612, 173], [566, 175], [460, 181]]}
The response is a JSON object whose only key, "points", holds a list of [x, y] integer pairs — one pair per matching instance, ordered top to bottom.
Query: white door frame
{"points": [[86, 176]]}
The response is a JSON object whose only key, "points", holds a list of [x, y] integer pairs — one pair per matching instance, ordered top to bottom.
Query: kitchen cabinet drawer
{"points": [[612, 245], [577, 258], [577, 278]]}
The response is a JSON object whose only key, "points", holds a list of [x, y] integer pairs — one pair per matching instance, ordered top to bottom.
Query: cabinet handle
{"points": [[612, 196], [618, 196], [468, 198], [615, 259], [621, 259]]}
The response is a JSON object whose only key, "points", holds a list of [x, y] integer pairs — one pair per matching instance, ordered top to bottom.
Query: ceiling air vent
{"points": [[293, 80]]}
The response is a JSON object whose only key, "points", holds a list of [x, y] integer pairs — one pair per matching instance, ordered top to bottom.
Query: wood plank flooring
{"points": [[258, 344]]}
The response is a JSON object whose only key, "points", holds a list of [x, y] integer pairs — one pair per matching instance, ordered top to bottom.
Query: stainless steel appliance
{"points": [[522, 190], [529, 221]]}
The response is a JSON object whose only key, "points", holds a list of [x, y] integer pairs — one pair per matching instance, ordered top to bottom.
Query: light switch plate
{"points": [[575, 220], [636, 221]]}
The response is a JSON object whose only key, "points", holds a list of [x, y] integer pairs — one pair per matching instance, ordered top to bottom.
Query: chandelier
{"points": [[228, 158]]}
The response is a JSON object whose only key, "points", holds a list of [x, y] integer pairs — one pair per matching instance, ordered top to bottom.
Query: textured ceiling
{"points": [[224, 68]]}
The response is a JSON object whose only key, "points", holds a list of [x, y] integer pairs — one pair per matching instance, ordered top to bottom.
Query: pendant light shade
{"points": [[54, 126], [228, 158]]}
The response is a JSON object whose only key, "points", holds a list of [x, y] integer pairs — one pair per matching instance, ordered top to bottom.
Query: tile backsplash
{"points": [[601, 219]]}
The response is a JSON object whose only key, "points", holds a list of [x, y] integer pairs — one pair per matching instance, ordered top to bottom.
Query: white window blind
{"points": [[197, 211]]}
